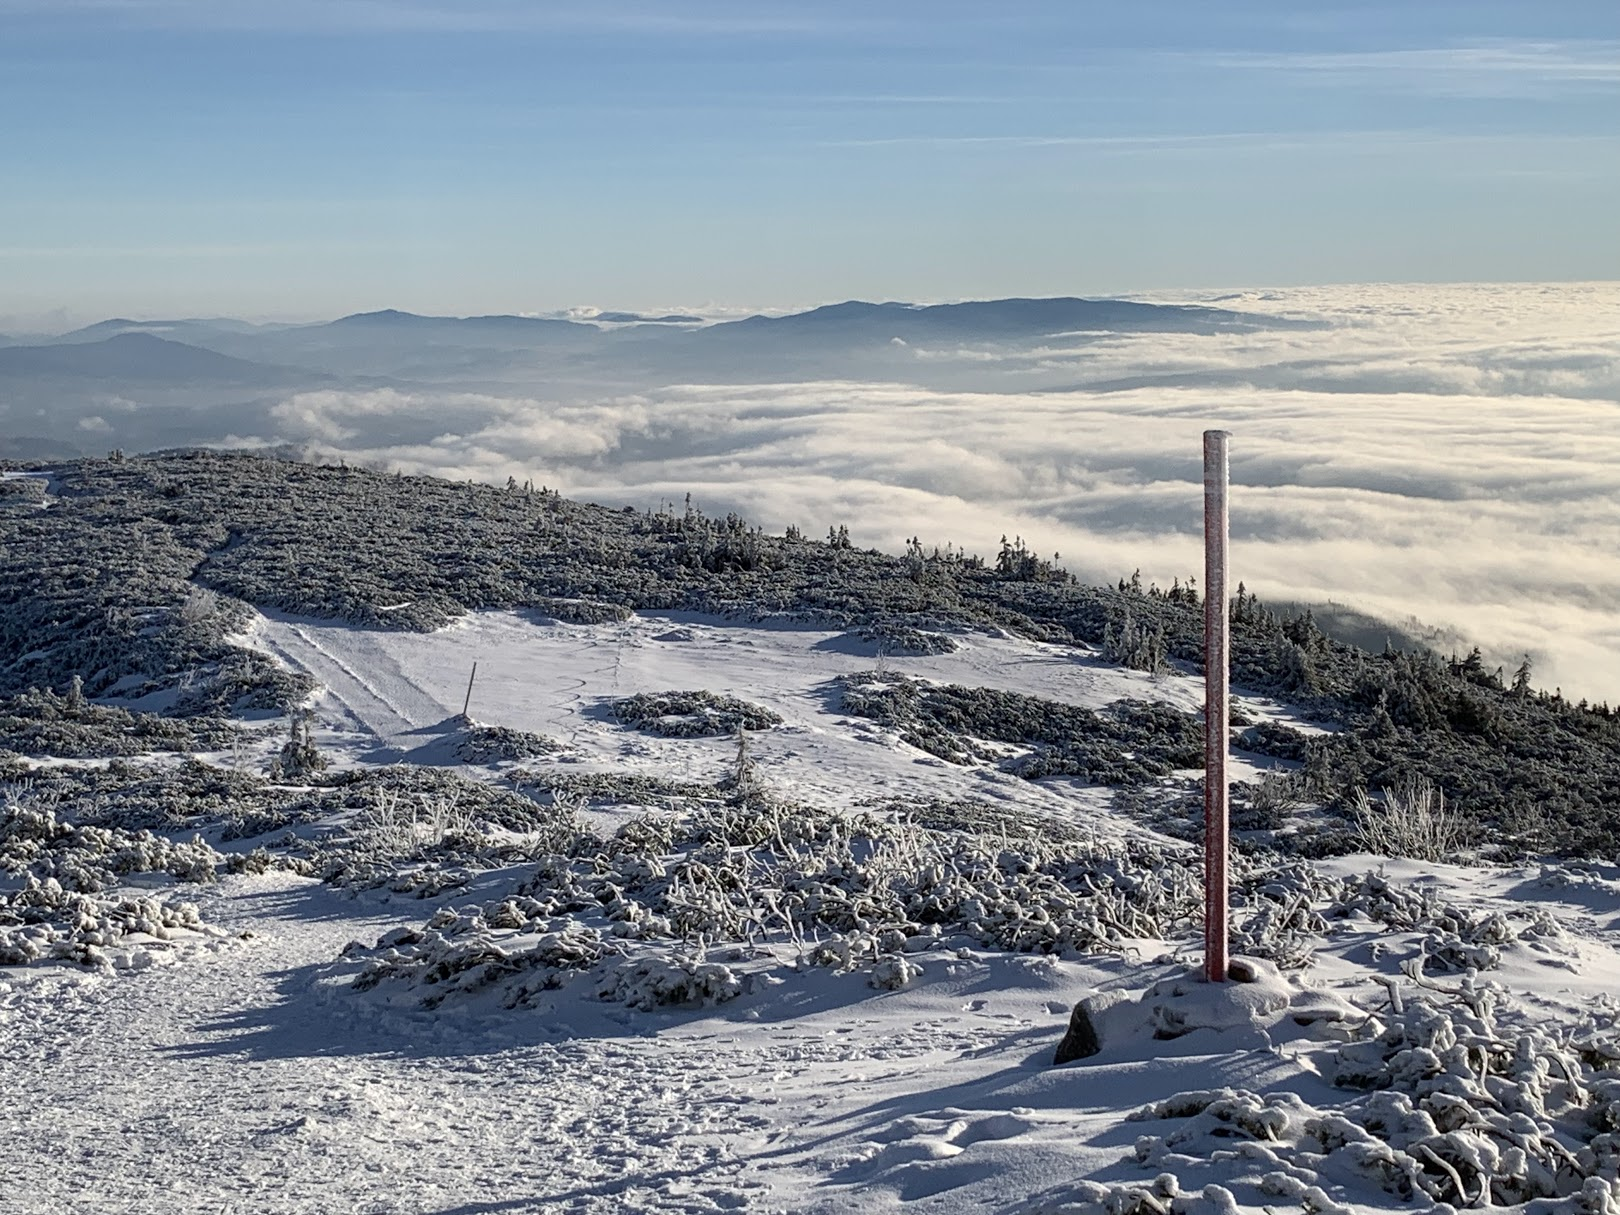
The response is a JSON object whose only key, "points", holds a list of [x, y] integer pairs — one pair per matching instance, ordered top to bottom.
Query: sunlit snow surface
{"points": [[388, 695], [245, 1078]]}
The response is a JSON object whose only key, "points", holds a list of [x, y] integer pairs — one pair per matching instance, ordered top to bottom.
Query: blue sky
{"points": [[311, 157]]}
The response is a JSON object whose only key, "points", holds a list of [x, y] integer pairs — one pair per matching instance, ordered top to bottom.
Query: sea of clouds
{"points": [[1447, 453]]}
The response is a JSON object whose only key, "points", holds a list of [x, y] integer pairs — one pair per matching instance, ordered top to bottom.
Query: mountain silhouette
{"points": [[392, 320], [995, 320], [139, 358]]}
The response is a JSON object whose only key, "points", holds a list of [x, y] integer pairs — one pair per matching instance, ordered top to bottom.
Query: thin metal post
{"points": [[1217, 665], [467, 704]]}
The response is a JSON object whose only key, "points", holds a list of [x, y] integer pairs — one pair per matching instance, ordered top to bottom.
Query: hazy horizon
{"points": [[58, 321]]}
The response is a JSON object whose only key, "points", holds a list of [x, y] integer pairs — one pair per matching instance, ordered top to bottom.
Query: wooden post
{"points": [[1217, 663], [467, 704]]}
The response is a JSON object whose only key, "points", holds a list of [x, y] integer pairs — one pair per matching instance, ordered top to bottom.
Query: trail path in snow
{"points": [[362, 676], [233, 1083]]}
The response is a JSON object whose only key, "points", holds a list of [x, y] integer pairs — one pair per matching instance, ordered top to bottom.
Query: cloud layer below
{"points": [[1448, 453]]}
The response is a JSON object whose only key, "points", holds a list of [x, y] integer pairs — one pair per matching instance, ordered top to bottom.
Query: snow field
{"points": [[387, 696], [254, 1077]]}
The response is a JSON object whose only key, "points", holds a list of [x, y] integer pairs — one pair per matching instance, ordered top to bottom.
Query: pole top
{"points": [[1217, 434]]}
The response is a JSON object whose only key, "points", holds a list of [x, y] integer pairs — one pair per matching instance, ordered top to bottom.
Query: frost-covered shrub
{"points": [[199, 604], [895, 638], [241, 681], [698, 714], [69, 726], [1274, 739], [1129, 742], [497, 744], [299, 759], [617, 788], [166, 795], [482, 801], [1267, 804], [1413, 821], [395, 827], [423, 831], [36, 841], [427, 843], [867, 890], [851, 891], [61, 910], [1277, 913], [45, 922], [1455, 938], [454, 954], [894, 972], [668, 981], [1452, 1108], [1472, 1115]]}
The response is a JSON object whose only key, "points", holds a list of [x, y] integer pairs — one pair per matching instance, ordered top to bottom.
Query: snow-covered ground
{"points": [[391, 696], [247, 1076]]}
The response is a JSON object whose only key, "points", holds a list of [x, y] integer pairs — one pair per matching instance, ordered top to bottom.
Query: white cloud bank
{"points": [[1451, 453]]}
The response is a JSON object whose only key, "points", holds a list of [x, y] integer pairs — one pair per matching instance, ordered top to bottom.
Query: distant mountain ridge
{"points": [[1013, 317], [393, 318], [1004, 318], [187, 328], [625, 349], [138, 357]]}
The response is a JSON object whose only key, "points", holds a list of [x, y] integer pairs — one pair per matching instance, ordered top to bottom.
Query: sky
{"points": [[300, 159]]}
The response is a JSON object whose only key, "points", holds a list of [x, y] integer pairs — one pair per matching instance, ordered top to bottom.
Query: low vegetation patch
{"points": [[901, 640], [692, 714], [71, 727], [1128, 743], [502, 744], [875, 892], [1458, 1105]]}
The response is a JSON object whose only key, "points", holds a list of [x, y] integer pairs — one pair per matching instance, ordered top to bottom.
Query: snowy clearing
{"points": [[270, 1064]]}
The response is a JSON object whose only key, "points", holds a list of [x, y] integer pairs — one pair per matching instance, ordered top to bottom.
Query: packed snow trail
{"points": [[362, 677], [237, 1080], [232, 1083]]}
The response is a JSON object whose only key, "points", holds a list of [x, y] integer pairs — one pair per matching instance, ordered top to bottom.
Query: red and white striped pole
{"points": [[1217, 664]]}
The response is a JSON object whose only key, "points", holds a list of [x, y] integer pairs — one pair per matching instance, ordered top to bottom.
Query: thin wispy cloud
{"points": [[712, 18], [1488, 69], [1380, 141]]}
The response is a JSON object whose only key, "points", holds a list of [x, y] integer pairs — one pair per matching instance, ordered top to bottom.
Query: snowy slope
{"points": [[248, 1076]]}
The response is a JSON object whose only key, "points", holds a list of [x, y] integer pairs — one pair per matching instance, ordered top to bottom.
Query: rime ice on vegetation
{"points": [[769, 874]]}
